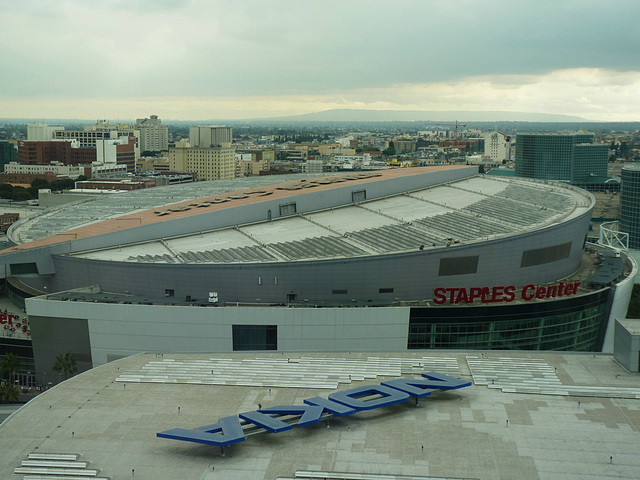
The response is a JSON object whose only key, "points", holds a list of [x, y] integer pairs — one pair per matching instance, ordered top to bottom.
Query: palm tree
{"points": [[10, 363], [65, 364], [8, 393]]}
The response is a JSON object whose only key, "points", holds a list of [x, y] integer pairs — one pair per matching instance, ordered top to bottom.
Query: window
{"points": [[358, 196], [287, 209], [540, 256], [458, 266], [23, 268], [385, 290], [169, 292], [339, 292], [255, 337]]}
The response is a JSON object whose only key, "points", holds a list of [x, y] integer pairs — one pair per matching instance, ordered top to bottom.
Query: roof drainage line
{"points": [[457, 187], [513, 199], [431, 202], [470, 213], [386, 215], [439, 234], [343, 236], [270, 250], [175, 255]]}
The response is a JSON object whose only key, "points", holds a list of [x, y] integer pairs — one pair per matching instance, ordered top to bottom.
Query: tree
{"points": [[389, 151], [152, 153], [39, 183], [63, 184], [6, 190], [20, 194], [10, 364], [65, 364], [9, 393]]}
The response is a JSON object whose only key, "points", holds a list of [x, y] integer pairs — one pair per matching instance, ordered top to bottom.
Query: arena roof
{"points": [[106, 206], [471, 210], [526, 416]]}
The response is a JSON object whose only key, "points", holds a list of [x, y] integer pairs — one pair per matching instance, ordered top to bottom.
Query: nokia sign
{"points": [[230, 430]]}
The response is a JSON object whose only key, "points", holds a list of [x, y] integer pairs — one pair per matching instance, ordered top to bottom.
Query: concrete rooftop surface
{"points": [[525, 416]]}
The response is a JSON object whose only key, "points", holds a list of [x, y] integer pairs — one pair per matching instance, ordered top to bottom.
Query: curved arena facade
{"points": [[421, 258]]}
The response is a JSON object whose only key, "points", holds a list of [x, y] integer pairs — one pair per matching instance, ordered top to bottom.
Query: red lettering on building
{"points": [[501, 293]]}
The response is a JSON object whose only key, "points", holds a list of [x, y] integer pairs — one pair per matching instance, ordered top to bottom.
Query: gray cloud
{"points": [[151, 48]]}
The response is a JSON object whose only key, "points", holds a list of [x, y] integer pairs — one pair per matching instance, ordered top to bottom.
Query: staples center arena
{"points": [[416, 258]]}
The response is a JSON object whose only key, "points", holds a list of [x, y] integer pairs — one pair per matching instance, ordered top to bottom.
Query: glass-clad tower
{"points": [[571, 158], [630, 204]]}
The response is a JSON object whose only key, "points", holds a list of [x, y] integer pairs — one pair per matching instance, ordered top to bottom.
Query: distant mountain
{"points": [[360, 115]]}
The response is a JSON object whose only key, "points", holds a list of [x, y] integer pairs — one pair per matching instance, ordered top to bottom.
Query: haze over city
{"points": [[199, 60]]}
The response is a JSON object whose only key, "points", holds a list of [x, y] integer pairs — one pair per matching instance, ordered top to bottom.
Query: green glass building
{"points": [[8, 153], [571, 158], [630, 204]]}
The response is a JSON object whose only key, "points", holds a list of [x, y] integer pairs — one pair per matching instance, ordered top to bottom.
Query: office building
{"points": [[102, 130], [41, 132], [210, 135], [154, 137], [497, 147], [117, 151], [45, 152], [8, 153], [571, 158], [209, 163], [58, 169], [630, 204]]}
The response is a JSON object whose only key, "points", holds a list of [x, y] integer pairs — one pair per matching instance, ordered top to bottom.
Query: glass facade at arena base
{"points": [[576, 324]]}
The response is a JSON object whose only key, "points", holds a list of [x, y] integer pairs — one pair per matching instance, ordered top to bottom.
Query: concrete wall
{"points": [[622, 296], [115, 330], [55, 335], [627, 346]]}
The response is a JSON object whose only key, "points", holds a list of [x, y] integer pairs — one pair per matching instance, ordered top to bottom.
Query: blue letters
{"points": [[440, 381], [423, 388], [390, 396], [331, 406], [309, 414], [229, 426], [230, 430]]}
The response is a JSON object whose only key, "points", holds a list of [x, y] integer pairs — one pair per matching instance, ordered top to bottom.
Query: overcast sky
{"points": [[233, 59]]}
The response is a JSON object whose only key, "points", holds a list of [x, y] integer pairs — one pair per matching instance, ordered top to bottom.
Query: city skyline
{"points": [[199, 60]]}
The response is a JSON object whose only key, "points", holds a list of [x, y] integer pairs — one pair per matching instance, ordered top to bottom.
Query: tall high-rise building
{"points": [[210, 135], [154, 137], [497, 146], [8, 153], [572, 158], [630, 204]]}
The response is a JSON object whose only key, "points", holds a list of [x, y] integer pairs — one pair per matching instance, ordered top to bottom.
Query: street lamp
{"points": [[44, 380]]}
